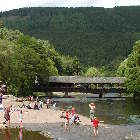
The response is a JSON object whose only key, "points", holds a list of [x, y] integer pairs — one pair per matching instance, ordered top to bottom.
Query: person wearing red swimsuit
{"points": [[95, 122]]}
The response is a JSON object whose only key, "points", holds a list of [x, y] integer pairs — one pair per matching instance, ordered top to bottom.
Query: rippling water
{"points": [[111, 111]]}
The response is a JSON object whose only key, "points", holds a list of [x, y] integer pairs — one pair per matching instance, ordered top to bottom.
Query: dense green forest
{"points": [[97, 36], [26, 61], [130, 68]]}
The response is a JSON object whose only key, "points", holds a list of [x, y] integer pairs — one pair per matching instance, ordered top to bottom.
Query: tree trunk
{"points": [[66, 94], [100, 95], [134, 96]]}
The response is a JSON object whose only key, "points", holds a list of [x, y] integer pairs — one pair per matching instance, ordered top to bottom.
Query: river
{"points": [[113, 111], [116, 111], [20, 134]]}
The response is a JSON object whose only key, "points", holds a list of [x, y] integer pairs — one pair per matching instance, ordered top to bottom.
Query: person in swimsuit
{"points": [[92, 110], [73, 111], [7, 114], [21, 118], [67, 122], [95, 122]]}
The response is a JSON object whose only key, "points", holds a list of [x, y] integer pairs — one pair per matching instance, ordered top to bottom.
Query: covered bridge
{"points": [[87, 80], [96, 85]]}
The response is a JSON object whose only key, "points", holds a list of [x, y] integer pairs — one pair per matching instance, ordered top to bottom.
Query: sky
{"points": [[6, 5]]}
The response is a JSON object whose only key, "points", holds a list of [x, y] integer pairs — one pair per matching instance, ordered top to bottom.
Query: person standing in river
{"points": [[92, 110], [7, 114], [67, 117], [95, 122]]}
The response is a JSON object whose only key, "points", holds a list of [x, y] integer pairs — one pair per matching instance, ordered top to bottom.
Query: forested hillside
{"points": [[97, 36]]}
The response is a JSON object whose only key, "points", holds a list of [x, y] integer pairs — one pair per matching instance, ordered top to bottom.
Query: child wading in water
{"points": [[21, 118], [67, 122], [95, 122]]}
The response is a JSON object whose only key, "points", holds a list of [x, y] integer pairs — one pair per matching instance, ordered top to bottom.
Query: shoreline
{"points": [[48, 121]]}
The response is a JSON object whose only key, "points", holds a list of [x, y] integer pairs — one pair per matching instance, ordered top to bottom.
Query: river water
{"points": [[117, 111], [20, 134]]}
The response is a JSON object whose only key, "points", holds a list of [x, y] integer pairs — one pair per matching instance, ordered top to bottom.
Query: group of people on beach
{"points": [[35, 104], [72, 118]]}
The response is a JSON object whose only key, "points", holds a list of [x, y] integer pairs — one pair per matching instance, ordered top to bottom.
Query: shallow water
{"points": [[111, 111], [20, 134]]}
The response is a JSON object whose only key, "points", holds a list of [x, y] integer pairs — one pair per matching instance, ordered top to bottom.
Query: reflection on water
{"points": [[109, 110], [20, 134]]}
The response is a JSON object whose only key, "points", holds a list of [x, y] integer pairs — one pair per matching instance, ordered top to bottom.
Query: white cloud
{"points": [[13, 4]]}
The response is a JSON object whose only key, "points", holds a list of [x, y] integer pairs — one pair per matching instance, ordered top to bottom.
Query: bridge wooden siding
{"points": [[75, 84], [85, 90]]}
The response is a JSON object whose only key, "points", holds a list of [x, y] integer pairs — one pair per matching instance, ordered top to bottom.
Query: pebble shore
{"points": [[48, 122]]}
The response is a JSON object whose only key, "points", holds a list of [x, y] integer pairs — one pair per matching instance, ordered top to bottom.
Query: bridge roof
{"points": [[80, 79]]}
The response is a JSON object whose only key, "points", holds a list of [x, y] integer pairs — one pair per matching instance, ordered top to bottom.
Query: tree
{"points": [[21, 59], [71, 66], [130, 68], [133, 70], [92, 71], [121, 71]]}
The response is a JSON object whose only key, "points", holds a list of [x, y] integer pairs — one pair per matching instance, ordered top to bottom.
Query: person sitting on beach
{"points": [[29, 98], [32, 98], [37, 99], [29, 106], [36, 106], [92, 110], [7, 114], [21, 118], [95, 122]]}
